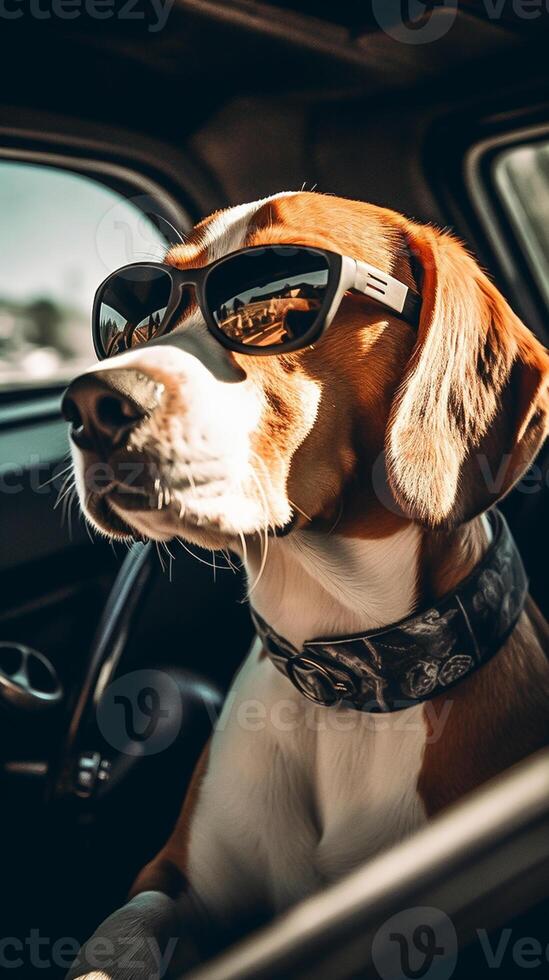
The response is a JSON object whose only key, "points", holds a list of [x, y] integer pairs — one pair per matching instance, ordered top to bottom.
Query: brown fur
{"points": [[473, 381], [499, 714], [497, 717]]}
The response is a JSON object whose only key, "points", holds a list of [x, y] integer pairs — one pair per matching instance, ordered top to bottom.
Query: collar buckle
{"points": [[324, 684]]}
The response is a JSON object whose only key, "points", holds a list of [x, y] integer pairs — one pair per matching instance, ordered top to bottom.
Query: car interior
{"points": [[117, 134]]}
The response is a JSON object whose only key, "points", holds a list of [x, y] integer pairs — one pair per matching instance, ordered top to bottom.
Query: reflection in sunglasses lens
{"points": [[268, 299], [132, 308]]}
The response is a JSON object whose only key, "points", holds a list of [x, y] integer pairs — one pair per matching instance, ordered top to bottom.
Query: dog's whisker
{"points": [[180, 236], [144, 256], [189, 472], [55, 477], [267, 478], [66, 481], [63, 493], [72, 499], [63, 501], [66, 510], [302, 512], [337, 520], [86, 523], [269, 525], [265, 539], [165, 546], [244, 547], [198, 558], [170, 559], [228, 559], [263, 563], [163, 567]]}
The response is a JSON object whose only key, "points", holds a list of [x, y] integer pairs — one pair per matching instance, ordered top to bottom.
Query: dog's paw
{"points": [[137, 942]]}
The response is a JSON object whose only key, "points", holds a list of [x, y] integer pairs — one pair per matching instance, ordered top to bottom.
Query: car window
{"points": [[521, 176], [61, 234]]}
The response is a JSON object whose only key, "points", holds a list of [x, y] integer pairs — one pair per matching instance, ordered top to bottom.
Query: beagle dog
{"points": [[354, 470]]}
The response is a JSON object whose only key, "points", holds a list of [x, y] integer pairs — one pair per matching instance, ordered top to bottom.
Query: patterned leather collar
{"points": [[420, 657]]}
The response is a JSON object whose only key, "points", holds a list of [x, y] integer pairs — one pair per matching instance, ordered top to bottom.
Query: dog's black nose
{"points": [[105, 406]]}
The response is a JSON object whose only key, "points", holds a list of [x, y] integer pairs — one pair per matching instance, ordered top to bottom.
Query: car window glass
{"points": [[521, 176], [61, 235]]}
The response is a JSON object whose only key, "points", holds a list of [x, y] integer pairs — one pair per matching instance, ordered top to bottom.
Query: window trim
{"points": [[124, 161], [120, 174], [497, 226], [20, 411]]}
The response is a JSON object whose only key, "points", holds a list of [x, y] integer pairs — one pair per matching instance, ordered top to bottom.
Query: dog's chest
{"points": [[296, 795]]}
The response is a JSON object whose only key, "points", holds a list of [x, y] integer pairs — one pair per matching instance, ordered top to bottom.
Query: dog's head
{"points": [[373, 425]]}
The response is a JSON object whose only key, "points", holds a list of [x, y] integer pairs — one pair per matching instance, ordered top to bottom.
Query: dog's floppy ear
{"points": [[472, 408]]}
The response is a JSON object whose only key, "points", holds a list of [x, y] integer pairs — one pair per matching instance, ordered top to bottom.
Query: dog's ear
{"points": [[472, 409]]}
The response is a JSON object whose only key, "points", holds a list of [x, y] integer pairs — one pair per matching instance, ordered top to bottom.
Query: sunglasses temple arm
{"points": [[347, 277], [379, 285]]}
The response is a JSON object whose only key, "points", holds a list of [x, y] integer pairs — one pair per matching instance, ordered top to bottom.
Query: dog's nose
{"points": [[104, 407]]}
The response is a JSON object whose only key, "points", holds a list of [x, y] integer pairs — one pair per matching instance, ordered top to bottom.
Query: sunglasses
{"points": [[261, 300]]}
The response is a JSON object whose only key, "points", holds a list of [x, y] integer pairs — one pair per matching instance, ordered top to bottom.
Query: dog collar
{"points": [[421, 656]]}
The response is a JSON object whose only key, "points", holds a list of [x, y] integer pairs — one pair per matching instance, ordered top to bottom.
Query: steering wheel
{"points": [[28, 679], [102, 742], [80, 769]]}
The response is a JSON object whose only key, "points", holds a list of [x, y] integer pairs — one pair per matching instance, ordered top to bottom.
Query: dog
{"points": [[353, 477]]}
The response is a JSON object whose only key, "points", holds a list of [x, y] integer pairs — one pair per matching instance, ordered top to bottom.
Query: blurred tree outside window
{"points": [[62, 233]]}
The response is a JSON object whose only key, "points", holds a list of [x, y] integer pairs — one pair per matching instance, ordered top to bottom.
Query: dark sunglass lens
{"points": [[268, 297], [131, 308]]}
